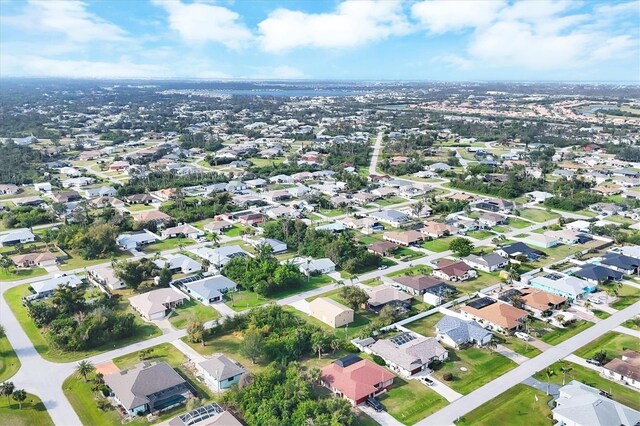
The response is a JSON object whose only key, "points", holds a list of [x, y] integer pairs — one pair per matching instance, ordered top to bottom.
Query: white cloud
{"points": [[440, 16], [69, 18], [198, 22], [353, 23], [37, 66], [280, 72]]}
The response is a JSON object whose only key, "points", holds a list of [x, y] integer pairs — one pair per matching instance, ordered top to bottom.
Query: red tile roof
{"points": [[357, 380]]}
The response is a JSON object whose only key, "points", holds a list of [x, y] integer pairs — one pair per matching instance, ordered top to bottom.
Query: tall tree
{"points": [[84, 368], [19, 395]]}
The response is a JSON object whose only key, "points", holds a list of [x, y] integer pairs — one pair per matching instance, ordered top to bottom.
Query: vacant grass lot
{"points": [[391, 201], [139, 207], [537, 215], [518, 223], [480, 234], [168, 244], [439, 245], [407, 254], [75, 261], [414, 270], [14, 274], [483, 280], [627, 296], [14, 297], [192, 309], [361, 319], [427, 325], [559, 335], [612, 343], [228, 344], [519, 346], [9, 362], [482, 366], [622, 394], [411, 401], [516, 406], [33, 412]]}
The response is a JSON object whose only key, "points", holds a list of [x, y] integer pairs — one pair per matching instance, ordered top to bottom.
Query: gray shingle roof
{"points": [[461, 331], [221, 368]]}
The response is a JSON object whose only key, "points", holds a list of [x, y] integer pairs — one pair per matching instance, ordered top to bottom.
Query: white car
{"points": [[595, 300], [522, 336]]}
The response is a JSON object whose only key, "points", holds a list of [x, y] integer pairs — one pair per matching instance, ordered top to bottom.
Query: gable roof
{"points": [[591, 271], [418, 282], [154, 301], [501, 314], [461, 331], [408, 350], [221, 368], [357, 380]]}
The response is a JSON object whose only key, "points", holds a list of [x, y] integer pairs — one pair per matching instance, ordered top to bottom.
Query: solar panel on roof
{"points": [[481, 303], [403, 338]]}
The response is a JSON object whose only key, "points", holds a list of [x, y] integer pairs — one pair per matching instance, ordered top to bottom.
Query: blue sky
{"points": [[349, 39]]}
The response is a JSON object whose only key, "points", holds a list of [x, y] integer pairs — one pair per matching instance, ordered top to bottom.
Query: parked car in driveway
{"points": [[522, 336], [594, 362], [427, 381], [375, 404]]}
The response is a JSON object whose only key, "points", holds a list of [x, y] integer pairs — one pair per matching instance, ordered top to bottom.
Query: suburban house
{"points": [[9, 189], [538, 196], [139, 199], [495, 205], [155, 216], [392, 217], [490, 220], [218, 226], [185, 229], [436, 229], [17, 236], [565, 236], [403, 238], [541, 240], [134, 241], [277, 246], [383, 248], [519, 249], [219, 256], [31, 260], [178, 263], [487, 263], [622, 263], [315, 266], [453, 271], [597, 274], [105, 277], [421, 284], [567, 286], [47, 287], [210, 289], [386, 294], [540, 301], [156, 304], [331, 312], [495, 315], [456, 332], [408, 353], [625, 369], [219, 372], [356, 379], [148, 387], [582, 405]]}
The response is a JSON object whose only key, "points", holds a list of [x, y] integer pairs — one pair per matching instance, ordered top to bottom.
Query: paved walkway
{"points": [[376, 154], [625, 330], [537, 343], [189, 352], [511, 354], [583, 362], [548, 388], [443, 390], [469, 402], [383, 418]]}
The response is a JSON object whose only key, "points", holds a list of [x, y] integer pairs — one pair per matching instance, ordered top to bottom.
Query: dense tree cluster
{"points": [[20, 163], [162, 180], [516, 184], [572, 195], [192, 210], [26, 217], [93, 241], [341, 249], [134, 273], [263, 273], [72, 324], [286, 396]]}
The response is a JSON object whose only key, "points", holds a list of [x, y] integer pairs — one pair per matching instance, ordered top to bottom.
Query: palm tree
{"points": [[215, 239], [587, 305], [3, 332], [335, 345], [492, 345], [317, 347], [84, 368], [565, 370], [549, 372], [314, 374], [7, 389], [19, 395]]}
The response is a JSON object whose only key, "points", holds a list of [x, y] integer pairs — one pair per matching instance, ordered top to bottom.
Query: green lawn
{"points": [[262, 162], [391, 201], [139, 207], [332, 212], [537, 215], [518, 223], [500, 229], [235, 231], [480, 234], [521, 236], [168, 244], [439, 245], [557, 253], [407, 254], [75, 261], [414, 270], [13, 274], [483, 280], [627, 296], [14, 297], [191, 308], [600, 314], [361, 319], [633, 324], [426, 325], [559, 335], [612, 343], [228, 344], [519, 346], [9, 362], [482, 367], [620, 393], [411, 401], [516, 406], [33, 412], [363, 419]]}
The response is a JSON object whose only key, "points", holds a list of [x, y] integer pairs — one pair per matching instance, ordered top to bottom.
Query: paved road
{"points": [[376, 154], [468, 403]]}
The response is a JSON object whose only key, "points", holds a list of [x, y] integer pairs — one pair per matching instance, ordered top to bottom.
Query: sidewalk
{"points": [[189, 352], [512, 355], [443, 390]]}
